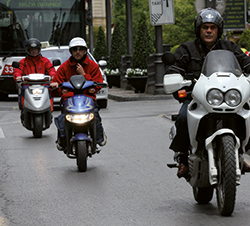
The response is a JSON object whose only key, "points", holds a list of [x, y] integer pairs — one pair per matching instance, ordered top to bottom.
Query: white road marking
{"points": [[1, 133]]}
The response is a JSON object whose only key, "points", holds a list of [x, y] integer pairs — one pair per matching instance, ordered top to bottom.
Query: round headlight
{"points": [[215, 97], [233, 97]]}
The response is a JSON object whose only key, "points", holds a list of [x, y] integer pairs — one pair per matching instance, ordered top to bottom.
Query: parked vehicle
{"points": [[56, 22], [63, 54], [36, 114], [218, 119], [78, 129]]}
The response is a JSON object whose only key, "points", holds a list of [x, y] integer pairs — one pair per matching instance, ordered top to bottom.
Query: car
{"points": [[62, 53]]}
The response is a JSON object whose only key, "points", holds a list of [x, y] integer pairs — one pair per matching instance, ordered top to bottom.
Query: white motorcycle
{"points": [[218, 120]]}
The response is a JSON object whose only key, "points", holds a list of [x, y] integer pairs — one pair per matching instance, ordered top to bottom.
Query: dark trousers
{"points": [[59, 121], [99, 127], [181, 141]]}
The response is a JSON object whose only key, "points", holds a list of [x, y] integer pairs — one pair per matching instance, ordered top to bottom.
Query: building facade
{"points": [[99, 13]]}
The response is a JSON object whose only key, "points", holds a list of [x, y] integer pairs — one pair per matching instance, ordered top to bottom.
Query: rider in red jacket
{"points": [[34, 62], [80, 64], [85, 66]]}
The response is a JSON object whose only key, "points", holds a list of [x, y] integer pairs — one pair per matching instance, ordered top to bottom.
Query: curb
{"points": [[137, 97]]}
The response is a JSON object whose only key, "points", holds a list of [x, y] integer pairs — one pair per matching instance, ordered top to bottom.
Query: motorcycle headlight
{"points": [[36, 91], [215, 97], [233, 97], [79, 118]]}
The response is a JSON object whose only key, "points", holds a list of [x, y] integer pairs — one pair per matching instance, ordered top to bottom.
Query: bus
{"points": [[54, 22]]}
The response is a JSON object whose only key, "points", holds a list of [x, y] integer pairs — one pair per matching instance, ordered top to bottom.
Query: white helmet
{"points": [[77, 42]]}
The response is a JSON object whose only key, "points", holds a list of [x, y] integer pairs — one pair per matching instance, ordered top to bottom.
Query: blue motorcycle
{"points": [[77, 123]]}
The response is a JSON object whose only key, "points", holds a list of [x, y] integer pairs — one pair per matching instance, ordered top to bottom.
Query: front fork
{"points": [[87, 134], [213, 173]]}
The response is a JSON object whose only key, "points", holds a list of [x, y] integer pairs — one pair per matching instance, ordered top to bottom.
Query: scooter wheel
{"points": [[82, 155]]}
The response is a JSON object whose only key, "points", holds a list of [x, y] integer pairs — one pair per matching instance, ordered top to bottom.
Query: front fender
{"points": [[80, 136], [211, 161]]}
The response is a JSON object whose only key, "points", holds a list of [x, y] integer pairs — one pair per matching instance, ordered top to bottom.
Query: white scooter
{"points": [[37, 107], [218, 120]]}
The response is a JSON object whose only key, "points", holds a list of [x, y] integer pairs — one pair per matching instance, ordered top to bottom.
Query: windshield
{"points": [[56, 21], [53, 54], [221, 61]]}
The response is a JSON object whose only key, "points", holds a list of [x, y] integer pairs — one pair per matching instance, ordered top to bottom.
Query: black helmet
{"points": [[208, 15], [33, 43]]}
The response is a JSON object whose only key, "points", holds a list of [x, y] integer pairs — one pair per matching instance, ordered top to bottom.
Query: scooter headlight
{"points": [[36, 91], [215, 97], [233, 97], [79, 118]]}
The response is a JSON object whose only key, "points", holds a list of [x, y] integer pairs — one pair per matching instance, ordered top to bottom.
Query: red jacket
{"points": [[37, 64], [68, 69]]}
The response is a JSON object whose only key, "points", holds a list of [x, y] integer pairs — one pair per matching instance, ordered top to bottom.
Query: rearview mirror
{"points": [[168, 58], [56, 62], [15, 64]]}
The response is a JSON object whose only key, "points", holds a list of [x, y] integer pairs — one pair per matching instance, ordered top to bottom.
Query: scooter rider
{"points": [[190, 57], [34, 62], [80, 64]]}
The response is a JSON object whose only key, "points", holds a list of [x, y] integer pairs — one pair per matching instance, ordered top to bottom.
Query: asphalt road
{"points": [[128, 183]]}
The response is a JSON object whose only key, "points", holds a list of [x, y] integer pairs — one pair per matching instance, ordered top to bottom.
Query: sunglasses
{"points": [[77, 48]]}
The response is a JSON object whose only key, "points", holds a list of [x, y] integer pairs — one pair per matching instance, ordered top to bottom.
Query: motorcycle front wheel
{"points": [[38, 126], [81, 155], [226, 166]]}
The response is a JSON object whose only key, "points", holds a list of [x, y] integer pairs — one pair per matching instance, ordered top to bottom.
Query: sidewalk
{"points": [[119, 94]]}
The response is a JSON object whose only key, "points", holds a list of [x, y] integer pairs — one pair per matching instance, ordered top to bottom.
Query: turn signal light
{"points": [[92, 90], [65, 91], [182, 93]]}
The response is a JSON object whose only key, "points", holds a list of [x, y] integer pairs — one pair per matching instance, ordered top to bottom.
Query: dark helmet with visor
{"points": [[208, 15], [33, 43]]}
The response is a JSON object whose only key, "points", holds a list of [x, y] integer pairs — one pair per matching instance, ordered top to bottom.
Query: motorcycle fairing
{"points": [[70, 86], [37, 102], [79, 104]]}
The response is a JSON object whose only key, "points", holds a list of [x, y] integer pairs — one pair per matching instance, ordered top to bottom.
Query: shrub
{"points": [[245, 38], [100, 45], [143, 45], [117, 48]]}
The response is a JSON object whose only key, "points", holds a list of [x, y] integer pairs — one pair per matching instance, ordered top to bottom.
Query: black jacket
{"points": [[191, 55]]}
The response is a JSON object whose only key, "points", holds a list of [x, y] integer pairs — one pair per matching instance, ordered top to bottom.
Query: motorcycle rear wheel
{"points": [[38, 126], [82, 155], [226, 166], [203, 195]]}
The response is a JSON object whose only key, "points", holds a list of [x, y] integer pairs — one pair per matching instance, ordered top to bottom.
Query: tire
{"points": [[102, 103], [38, 126], [82, 154], [226, 166], [203, 195]]}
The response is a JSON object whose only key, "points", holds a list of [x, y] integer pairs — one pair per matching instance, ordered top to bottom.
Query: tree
{"points": [[183, 29], [180, 32], [245, 38], [100, 45], [143, 45], [117, 48]]}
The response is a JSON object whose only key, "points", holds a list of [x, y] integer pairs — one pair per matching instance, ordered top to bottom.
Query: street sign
{"points": [[161, 12], [235, 15]]}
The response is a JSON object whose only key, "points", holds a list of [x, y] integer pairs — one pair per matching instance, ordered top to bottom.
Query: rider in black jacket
{"points": [[190, 57]]}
